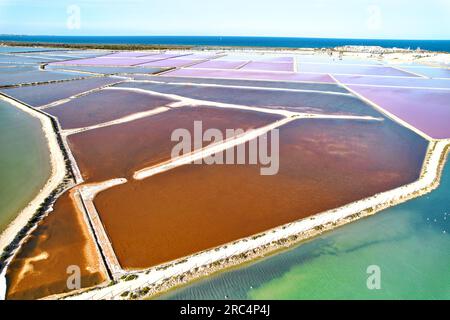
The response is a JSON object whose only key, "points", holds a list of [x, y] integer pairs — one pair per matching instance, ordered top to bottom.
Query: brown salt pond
{"points": [[103, 106], [120, 150], [323, 164], [60, 240]]}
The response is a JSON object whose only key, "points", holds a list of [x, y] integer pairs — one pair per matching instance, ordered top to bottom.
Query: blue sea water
{"points": [[278, 42]]}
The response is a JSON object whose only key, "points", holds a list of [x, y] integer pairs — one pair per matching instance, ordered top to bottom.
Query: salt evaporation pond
{"points": [[409, 242]]}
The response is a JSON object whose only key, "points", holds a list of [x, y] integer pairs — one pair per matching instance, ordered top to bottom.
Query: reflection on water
{"points": [[408, 242]]}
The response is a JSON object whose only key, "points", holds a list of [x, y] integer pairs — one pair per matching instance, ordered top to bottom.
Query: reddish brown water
{"points": [[104, 106], [120, 150], [323, 164], [60, 240]]}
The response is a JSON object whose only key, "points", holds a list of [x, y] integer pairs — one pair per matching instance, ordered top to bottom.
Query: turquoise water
{"points": [[285, 42], [24, 161], [410, 243]]}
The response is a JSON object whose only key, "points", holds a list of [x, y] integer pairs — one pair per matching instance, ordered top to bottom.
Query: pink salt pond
{"points": [[130, 54], [103, 62], [170, 63], [221, 64], [268, 66], [352, 69], [250, 75], [394, 81], [425, 109]]}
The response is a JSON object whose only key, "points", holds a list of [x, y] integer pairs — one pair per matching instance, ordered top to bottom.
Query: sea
{"points": [[275, 42], [24, 161]]}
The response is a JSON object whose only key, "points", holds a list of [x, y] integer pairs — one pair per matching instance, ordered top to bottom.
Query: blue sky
{"points": [[394, 19]]}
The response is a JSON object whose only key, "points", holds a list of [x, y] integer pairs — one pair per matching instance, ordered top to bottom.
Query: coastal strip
{"points": [[58, 173]]}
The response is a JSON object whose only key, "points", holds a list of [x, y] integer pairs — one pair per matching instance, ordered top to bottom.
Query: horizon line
{"points": [[220, 36]]}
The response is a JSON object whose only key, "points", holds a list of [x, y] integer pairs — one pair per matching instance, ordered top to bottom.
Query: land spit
{"points": [[58, 173]]}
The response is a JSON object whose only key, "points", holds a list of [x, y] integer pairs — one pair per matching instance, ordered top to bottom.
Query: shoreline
{"points": [[93, 46], [172, 46], [390, 55], [57, 175], [23, 218]]}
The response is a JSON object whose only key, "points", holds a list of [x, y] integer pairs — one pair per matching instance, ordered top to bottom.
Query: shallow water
{"points": [[8, 49], [24, 59], [351, 69], [108, 70], [430, 72], [251, 75], [35, 76], [393, 81], [249, 83], [46, 93], [310, 102], [103, 106], [425, 109], [122, 149], [24, 161], [323, 164], [409, 242], [40, 267]]}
